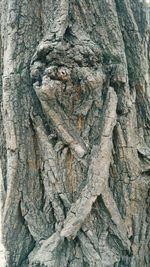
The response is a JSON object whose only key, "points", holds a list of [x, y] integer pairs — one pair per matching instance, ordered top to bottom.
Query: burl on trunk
{"points": [[75, 133]]}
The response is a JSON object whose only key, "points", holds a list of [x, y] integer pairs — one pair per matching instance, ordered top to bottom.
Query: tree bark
{"points": [[75, 133]]}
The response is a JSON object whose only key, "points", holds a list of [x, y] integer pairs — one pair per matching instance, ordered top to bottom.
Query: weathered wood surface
{"points": [[75, 133], [2, 249]]}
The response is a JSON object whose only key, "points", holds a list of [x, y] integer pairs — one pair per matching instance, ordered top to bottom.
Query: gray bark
{"points": [[75, 133]]}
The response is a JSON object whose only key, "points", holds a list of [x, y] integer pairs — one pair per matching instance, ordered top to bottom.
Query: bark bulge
{"points": [[75, 133]]}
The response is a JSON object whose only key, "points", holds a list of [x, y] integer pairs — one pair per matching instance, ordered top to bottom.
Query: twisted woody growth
{"points": [[69, 82], [75, 133]]}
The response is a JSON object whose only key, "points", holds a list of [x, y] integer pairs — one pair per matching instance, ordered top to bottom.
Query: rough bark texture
{"points": [[75, 133]]}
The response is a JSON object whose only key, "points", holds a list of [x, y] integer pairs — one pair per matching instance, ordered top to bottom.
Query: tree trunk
{"points": [[75, 133]]}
